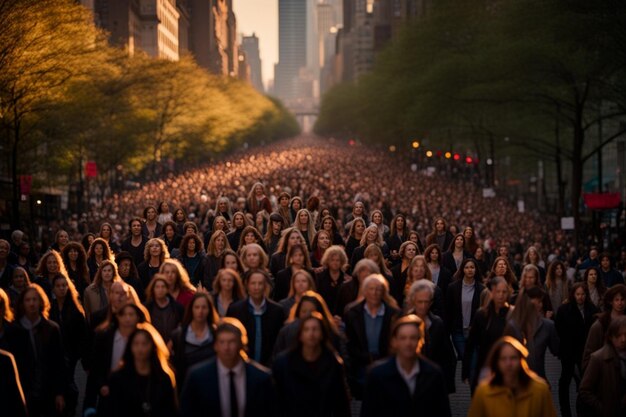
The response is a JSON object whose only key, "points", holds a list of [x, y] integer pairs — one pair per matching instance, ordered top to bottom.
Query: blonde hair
{"points": [[165, 253], [182, 277]]}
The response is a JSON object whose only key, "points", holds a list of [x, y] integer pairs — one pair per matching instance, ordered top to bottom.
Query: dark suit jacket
{"points": [[447, 261], [454, 310], [271, 323], [573, 330], [438, 348], [100, 361], [388, 395], [201, 396]]}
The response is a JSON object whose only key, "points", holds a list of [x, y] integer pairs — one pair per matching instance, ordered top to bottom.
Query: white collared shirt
{"points": [[258, 309], [119, 346], [411, 377], [224, 386]]}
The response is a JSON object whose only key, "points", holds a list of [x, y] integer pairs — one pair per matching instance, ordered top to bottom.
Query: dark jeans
{"points": [[568, 371]]}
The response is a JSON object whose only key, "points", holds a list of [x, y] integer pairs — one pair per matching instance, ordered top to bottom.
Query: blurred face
{"points": [[258, 190], [284, 202], [296, 205], [222, 206], [165, 208], [358, 209], [151, 214], [180, 216], [303, 218], [377, 218], [238, 221], [400, 223], [220, 224], [327, 225], [439, 226], [276, 227], [359, 227], [135, 228], [190, 231], [105, 232], [169, 232], [468, 233], [372, 234], [413, 237], [63, 238], [249, 238], [294, 239], [323, 241], [458, 242], [220, 243], [191, 245], [98, 249], [155, 249], [4, 250], [410, 251], [479, 253], [593, 253], [72, 254], [434, 255], [532, 256], [297, 258], [253, 259], [230, 261], [334, 263], [605, 263], [52, 265], [124, 268], [500, 268], [469, 270], [418, 271], [558, 271], [107, 273], [171, 274], [592, 277], [19, 278], [529, 280], [227, 282], [301, 284], [256, 286], [60, 288], [160, 290], [374, 293], [500, 293], [118, 296], [580, 296], [32, 303], [422, 303], [538, 303], [618, 304], [306, 308], [200, 310], [128, 317], [311, 335], [619, 340], [406, 341], [227, 346], [141, 347], [509, 362]]}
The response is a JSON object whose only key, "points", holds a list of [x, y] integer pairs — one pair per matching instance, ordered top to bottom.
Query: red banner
{"points": [[91, 169], [26, 184], [602, 201]]}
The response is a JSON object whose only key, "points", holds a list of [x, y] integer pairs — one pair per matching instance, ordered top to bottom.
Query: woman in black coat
{"points": [[453, 258], [573, 321], [310, 379], [145, 384]]}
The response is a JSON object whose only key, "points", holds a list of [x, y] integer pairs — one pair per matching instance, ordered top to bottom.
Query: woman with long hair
{"points": [[257, 200], [295, 205], [283, 207], [180, 218], [377, 218], [240, 221], [329, 224], [306, 225], [275, 226], [150, 227], [106, 234], [250, 234], [355, 234], [398, 234], [440, 234], [170, 236], [370, 236], [290, 237], [61, 238], [470, 239], [87, 240], [321, 242], [218, 244], [99, 252], [406, 252], [155, 253], [191, 255], [253, 257], [533, 257], [453, 258], [230, 259], [297, 259], [75, 262], [48, 267], [502, 268], [418, 270], [128, 272], [440, 274], [530, 278], [329, 280], [178, 281], [19, 282], [301, 282], [557, 284], [595, 285], [227, 289], [96, 295], [165, 312], [68, 313], [573, 321], [486, 328], [192, 341], [312, 373], [144, 384], [512, 388]]}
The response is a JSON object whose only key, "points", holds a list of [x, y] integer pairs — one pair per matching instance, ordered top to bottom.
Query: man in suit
{"points": [[262, 317], [368, 324], [406, 384], [229, 385]]}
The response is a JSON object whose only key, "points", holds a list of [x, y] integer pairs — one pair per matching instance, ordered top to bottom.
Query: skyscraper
{"points": [[250, 46], [292, 47]]}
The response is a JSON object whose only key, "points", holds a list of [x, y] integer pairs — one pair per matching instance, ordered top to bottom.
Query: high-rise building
{"points": [[150, 26], [183, 26], [250, 47], [292, 47]]}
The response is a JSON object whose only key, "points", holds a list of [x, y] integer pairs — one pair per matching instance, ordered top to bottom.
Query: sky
{"points": [[260, 17]]}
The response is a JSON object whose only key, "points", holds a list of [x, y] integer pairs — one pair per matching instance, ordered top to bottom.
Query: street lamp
{"points": [[415, 144]]}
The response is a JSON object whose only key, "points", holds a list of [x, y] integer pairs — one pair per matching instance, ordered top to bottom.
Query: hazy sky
{"points": [[261, 17]]}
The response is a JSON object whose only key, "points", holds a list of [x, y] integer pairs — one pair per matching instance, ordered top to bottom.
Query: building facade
{"points": [[250, 47]]}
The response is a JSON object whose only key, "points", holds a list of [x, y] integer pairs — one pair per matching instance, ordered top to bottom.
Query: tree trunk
{"points": [[577, 170]]}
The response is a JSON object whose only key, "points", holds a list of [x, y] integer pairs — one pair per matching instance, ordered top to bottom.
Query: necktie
{"points": [[234, 406]]}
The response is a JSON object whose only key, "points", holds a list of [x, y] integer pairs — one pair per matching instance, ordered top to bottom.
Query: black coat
{"points": [[136, 251], [359, 253], [447, 261], [278, 262], [210, 268], [146, 272], [444, 279], [282, 283], [328, 290], [347, 293], [454, 309], [271, 322], [73, 329], [573, 329], [438, 348], [185, 356], [359, 356], [100, 366], [311, 389], [128, 391], [388, 395], [11, 396], [201, 396]]}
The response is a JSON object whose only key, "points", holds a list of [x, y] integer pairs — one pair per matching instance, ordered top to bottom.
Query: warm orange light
{"points": [[415, 144], [392, 148], [429, 154], [448, 155]]}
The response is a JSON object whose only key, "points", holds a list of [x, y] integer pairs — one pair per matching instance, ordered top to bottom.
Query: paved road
{"points": [[459, 401]]}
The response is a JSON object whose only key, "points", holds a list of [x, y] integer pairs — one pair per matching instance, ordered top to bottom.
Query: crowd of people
{"points": [[335, 278]]}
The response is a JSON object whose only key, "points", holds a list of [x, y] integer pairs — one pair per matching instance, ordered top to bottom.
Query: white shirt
{"points": [[119, 345], [411, 377], [240, 386]]}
